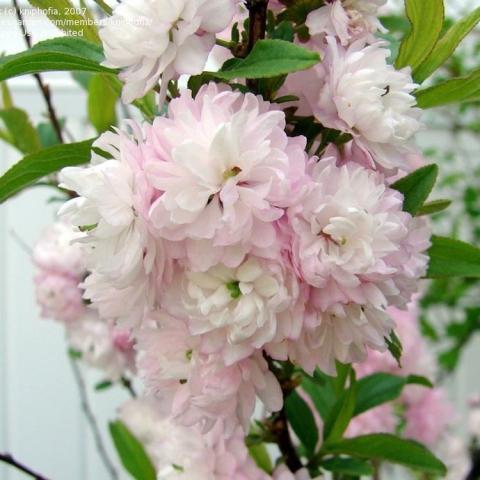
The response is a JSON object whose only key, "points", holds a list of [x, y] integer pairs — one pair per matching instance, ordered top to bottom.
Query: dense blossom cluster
{"points": [[216, 242]]}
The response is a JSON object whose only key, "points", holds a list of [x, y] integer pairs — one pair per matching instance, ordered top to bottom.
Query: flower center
{"points": [[233, 172], [234, 288]]}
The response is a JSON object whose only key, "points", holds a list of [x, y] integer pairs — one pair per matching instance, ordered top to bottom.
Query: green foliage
{"points": [[68, 17], [426, 19], [445, 47], [57, 54], [269, 58], [454, 90], [102, 101], [21, 133], [35, 166], [416, 187], [435, 206], [453, 258], [395, 347], [103, 385], [320, 388], [379, 388], [341, 413], [302, 421], [389, 448], [131, 452], [261, 456], [347, 466]]}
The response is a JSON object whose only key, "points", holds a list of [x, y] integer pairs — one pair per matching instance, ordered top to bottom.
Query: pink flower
{"points": [[349, 20], [225, 170], [352, 240], [59, 296], [236, 311], [429, 416]]}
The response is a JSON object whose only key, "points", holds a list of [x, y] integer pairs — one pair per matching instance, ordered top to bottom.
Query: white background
{"points": [[40, 418]]}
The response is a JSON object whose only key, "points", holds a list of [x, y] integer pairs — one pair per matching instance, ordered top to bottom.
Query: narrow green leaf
{"points": [[104, 6], [67, 17], [426, 19], [445, 47], [57, 54], [269, 58], [455, 90], [7, 101], [102, 101], [23, 134], [37, 165], [416, 187], [434, 206], [453, 258], [395, 347], [104, 385], [379, 388], [322, 395], [341, 414], [302, 421], [386, 447], [131, 452], [260, 454], [347, 466]]}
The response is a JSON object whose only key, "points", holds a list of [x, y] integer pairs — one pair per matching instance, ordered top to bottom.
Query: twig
{"points": [[257, 26], [43, 87], [91, 420], [279, 425], [7, 458]]}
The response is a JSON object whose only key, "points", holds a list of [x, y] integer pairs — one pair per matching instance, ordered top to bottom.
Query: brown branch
{"points": [[257, 26], [43, 87], [278, 424], [7, 458]]}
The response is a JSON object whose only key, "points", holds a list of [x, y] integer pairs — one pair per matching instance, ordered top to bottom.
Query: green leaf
{"points": [[67, 17], [426, 19], [447, 45], [57, 54], [269, 58], [455, 90], [7, 101], [102, 101], [23, 134], [37, 165], [416, 187], [434, 206], [453, 258], [395, 347], [74, 354], [104, 385], [379, 388], [321, 393], [341, 414], [302, 421], [386, 447], [131, 452], [260, 454], [347, 466]]}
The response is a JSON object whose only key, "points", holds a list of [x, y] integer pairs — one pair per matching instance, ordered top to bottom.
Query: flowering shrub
{"points": [[248, 249]]}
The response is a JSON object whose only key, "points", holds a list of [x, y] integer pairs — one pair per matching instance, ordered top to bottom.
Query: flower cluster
{"points": [[224, 245], [61, 268]]}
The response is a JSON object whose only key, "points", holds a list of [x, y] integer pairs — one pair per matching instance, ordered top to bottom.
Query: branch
{"points": [[257, 26], [43, 87], [127, 383], [91, 419], [279, 425], [7, 458]]}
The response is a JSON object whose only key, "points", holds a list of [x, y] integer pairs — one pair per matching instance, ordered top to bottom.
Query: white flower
{"points": [[349, 20], [153, 39], [360, 93], [120, 252], [236, 310], [94, 339]]}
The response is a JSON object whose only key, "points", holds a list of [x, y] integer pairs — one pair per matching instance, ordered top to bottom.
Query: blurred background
{"points": [[40, 416]]}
